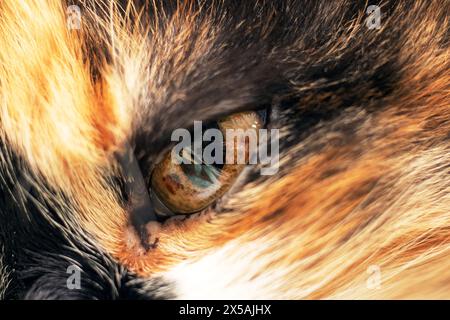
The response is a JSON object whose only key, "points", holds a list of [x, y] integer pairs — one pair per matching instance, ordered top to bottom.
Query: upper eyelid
{"points": [[211, 115], [155, 144]]}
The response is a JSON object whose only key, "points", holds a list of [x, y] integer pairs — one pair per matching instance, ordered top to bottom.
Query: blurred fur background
{"points": [[364, 174]]}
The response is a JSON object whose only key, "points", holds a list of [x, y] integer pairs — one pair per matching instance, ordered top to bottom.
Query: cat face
{"points": [[88, 110]]}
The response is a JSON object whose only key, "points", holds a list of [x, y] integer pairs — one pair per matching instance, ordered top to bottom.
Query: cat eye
{"points": [[191, 184]]}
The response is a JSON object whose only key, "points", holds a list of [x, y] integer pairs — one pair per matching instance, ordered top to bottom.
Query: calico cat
{"points": [[92, 207]]}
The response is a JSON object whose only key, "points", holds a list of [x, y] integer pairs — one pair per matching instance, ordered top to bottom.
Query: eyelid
{"points": [[263, 113], [160, 208]]}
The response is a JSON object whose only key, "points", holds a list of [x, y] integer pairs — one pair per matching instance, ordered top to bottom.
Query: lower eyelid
{"points": [[160, 208]]}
